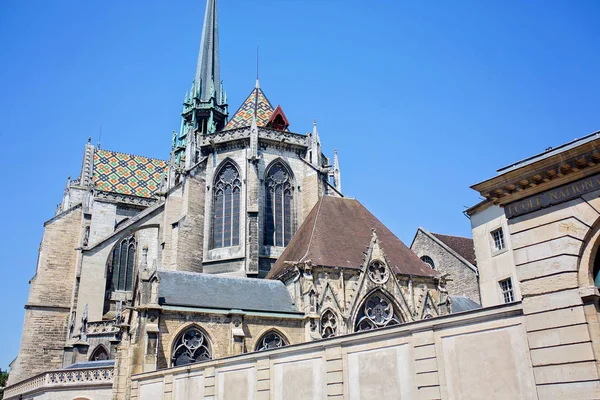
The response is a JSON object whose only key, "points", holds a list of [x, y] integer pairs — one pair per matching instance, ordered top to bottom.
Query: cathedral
{"points": [[241, 241]]}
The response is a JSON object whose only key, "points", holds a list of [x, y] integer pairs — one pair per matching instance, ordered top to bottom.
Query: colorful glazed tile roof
{"points": [[255, 101], [127, 174]]}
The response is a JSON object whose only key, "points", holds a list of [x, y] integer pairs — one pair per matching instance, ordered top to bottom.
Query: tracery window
{"points": [[226, 207], [278, 207], [429, 261], [121, 268], [377, 312], [328, 324], [271, 340], [190, 347], [99, 354]]}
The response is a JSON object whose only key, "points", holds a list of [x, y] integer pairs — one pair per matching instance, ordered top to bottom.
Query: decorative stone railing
{"points": [[263, 133], [101, 328], [61, 379]]}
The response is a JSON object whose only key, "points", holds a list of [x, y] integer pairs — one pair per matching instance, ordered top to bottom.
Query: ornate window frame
{"points": [[279, 204], [226, 206], [428, 260], [122, 264], [378, 272], [378, 310], [328, 324], [271, 339], [193, 342], [98, 352]]}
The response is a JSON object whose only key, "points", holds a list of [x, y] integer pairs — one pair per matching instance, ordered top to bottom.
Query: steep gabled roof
{"points": [[256, 103], [127, 174], [338, 232], [462, 245], [191, 289]]}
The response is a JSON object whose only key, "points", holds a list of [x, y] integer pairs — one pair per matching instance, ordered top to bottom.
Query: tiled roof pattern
{"points": [[243, 116], [127, 174], [337, 233], [461, 245], [462, 303]]}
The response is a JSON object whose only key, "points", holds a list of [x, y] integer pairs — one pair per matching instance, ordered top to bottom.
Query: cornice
{"points": [[547, 173]]}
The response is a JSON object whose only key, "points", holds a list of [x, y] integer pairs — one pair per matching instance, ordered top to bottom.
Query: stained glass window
{"points": [[278, 207], [226, 223], [121, 268], [377, 312], [328, 324], [271, 340], [190, 347]]}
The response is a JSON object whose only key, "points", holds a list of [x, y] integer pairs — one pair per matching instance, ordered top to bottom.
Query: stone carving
{"points": [[378, 272], [377, 312], [328, 324], [271, 340]]}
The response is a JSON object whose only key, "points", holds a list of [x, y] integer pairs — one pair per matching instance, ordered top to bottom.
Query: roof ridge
{"points": [[132, 155], [312, 233], [456, 236]]}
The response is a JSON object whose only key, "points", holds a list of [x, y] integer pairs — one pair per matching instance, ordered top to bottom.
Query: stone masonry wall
{"points": [[462, 280], [48, 306]]}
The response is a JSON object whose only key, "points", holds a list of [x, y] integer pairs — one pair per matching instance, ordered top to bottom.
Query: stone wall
{"points": [[554, 251], [462, 280], [48, 307], [431, 359]]}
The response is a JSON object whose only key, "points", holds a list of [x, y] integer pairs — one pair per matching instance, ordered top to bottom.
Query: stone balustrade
{"points": [[61, 379]]}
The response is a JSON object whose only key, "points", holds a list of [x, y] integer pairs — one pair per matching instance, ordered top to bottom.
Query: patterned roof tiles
{"points": [[255, 101], [127, 174]]}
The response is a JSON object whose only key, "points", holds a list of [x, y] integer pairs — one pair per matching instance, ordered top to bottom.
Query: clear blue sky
{"points": [[422, 99]]}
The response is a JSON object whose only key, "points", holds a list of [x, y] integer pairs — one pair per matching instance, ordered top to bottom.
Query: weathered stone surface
{"points": [[549, 284]]}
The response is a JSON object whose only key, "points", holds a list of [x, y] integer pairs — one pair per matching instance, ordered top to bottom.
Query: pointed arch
{"points": [[227, 188], [279, 204], [121, 265], [377, 310], [328, 323], [271, 339], [191, 345], [100, 353]]}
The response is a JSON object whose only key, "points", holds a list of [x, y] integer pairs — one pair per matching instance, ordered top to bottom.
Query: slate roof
{"points": [[256, 100], [127, 174], [337, 232], [462, 245], [191, 289], [462, 303], [92, 364]]}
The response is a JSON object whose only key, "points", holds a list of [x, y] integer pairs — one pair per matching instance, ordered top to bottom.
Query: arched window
{"points": [[226, 207], [278, 207], [427, 260], [121, 268], [376, 312], [328, 324], [270, 340], [190, 347], [99, 354]]}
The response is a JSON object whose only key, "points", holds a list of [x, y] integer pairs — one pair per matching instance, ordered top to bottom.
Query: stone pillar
{"points": [[252, 207], [426, 366], [335, 375], [263, 379]]}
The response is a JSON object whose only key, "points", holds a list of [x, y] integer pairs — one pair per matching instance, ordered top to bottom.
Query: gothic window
{"points": [[226, 207], [278, 207], [429, 261], [121, 269], [378, 273], [377, 312], [328, 324], [271, 340], [190, 347], [99, 354]]}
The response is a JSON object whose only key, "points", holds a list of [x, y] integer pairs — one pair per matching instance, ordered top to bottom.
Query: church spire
{"points": [[207, 70]]}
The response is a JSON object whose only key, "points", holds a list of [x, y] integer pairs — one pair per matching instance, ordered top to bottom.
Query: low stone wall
{"points": [[474, 355], [65, 384]]}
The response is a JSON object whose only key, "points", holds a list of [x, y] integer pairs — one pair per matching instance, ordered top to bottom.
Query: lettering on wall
{"points": [[551, 197]]}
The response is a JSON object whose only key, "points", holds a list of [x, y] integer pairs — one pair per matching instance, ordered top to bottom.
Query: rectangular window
{"points": [[498, 237], [507, 290]]}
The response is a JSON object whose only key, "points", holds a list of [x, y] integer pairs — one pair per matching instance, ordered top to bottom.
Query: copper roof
{"points": [[338, 232], [462, 245]]}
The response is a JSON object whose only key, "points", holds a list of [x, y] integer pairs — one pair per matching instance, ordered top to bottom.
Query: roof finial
{"points": [[257, 82]]}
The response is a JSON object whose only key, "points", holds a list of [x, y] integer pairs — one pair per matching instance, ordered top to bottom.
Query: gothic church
{"points": [[241, 241]]}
